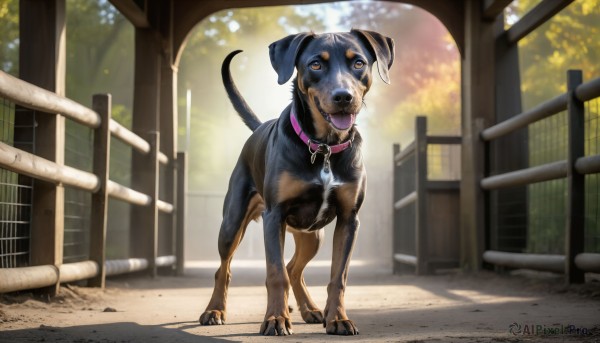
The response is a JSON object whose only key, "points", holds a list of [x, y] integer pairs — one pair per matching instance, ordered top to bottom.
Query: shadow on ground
{"points": [[106, 333]]}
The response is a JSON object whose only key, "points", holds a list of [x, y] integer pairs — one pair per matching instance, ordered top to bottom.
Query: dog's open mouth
{"points": [[340, 120]]}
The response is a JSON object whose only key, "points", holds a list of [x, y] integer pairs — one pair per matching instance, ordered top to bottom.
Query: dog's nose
{"points": [[342, 97]]}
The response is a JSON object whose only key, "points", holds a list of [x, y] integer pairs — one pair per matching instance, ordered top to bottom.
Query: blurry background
{"points": [[425, 81]]}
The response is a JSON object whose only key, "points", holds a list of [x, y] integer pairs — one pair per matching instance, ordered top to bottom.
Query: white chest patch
{"points": [[327, 179]]}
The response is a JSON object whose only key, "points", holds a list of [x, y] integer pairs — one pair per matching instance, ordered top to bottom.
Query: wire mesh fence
{"points": [[78, 154], [443, 162], [592, 181], [15, 199], [547, 200], [508, 212], [405, 221], [117, 236]]}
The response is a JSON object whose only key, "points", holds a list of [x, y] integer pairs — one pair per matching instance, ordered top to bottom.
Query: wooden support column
{"points": [[42, 63], [146, 100], [102, 104], [477, 114], [168, 126], [168, 144], [421, 188], [181, 210], [502, 219], [574, 231], [397, 266]]}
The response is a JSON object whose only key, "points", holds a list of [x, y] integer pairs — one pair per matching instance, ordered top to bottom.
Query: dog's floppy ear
{"points": [[382, 47], [283, 54]]}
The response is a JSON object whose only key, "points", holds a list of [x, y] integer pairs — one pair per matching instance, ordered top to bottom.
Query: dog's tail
{"points": [[238, 102]]}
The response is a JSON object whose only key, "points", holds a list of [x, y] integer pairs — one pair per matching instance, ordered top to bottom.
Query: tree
{"points": [[9, 36], [567, 41], [217, 132]]}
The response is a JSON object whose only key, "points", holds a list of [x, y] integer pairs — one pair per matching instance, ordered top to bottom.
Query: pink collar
{"points": [[312, 145]]}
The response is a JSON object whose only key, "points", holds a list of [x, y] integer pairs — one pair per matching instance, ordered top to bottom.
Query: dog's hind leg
{"points": [[241, 206], [307, 246]]}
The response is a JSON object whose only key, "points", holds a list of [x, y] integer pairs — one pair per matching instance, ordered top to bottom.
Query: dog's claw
{"points": [[312, 316], [214, 317], [276, 326], [341, 327]]}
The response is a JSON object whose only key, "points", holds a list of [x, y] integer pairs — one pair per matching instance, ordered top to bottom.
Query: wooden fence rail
{"points": [[19, 161], [435, 242], [575, 262]]}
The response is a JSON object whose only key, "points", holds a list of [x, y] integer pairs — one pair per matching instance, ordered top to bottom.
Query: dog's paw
{"points": [[214, 317], [312, 317], [276, 326], [341, 327]]}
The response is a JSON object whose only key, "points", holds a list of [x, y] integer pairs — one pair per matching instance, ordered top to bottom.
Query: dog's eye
{"points": [[359, 64], [315, 65]]}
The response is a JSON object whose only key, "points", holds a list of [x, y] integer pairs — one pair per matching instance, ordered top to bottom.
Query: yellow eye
{"points": [[359, 64], [315, 65]]}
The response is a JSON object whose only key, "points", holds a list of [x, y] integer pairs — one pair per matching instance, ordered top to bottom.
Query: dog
{"points": [[301, 171]]}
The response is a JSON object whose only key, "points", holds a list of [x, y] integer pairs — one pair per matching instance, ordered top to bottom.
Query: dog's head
{"points": [[334, 72]]}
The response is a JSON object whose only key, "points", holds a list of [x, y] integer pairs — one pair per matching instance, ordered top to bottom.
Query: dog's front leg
{"points": [[277, 319], [336, 321]]}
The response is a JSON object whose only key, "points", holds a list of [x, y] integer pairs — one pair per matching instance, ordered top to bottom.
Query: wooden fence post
{"points": [[42, 62], [102, 104], [421, 188], [181, 210], [396, 218], [574, 231], [143, 241]]}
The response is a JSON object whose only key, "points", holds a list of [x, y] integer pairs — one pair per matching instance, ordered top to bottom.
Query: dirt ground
{"points": [[452, 307]]}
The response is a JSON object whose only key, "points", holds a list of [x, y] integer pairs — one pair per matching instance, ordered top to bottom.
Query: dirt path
{"points": [[386, 308]]}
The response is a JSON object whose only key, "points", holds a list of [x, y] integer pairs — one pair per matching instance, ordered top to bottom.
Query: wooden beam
{"points": [[493, 8], [136, 15], [534, 18], [42, 56], [477, 83], [38, 98], [102, 104], [145, 123], [168, 134], [42, 169], [526, 176], [181, 210], [574, 231], [421, 235]]}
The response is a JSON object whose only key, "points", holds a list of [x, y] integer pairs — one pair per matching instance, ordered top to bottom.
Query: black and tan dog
{"points": [[301, 171]]}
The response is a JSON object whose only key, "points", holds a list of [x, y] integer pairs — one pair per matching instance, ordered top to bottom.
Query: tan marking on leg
{"points": [[289, 187], [347, 195], [307, 246], [277, 320], [336, 321]]}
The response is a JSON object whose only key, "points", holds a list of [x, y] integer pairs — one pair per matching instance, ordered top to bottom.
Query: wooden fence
{"points": [[98, 183], [426, 212], [574, 262]]}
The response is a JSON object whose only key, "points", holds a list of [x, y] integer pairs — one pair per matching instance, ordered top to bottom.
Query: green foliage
{"points": [[9, 36], [567, 41], [100, 55], [426, 71], [425, 78], [217, 132]]}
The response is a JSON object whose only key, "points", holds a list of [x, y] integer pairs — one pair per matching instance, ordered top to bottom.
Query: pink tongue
{"points": [[342, 121]]}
